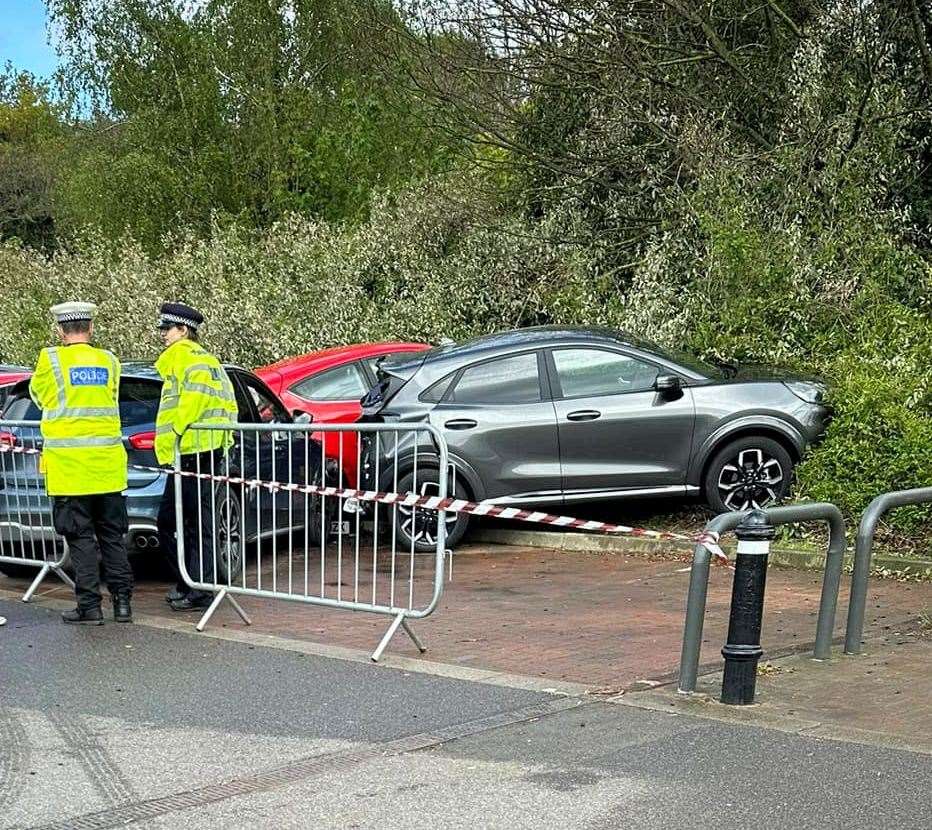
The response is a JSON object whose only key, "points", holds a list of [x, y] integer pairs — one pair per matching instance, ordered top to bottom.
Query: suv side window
{"points": [[585, 373], [512, 379], [342, 383], [435, 392]]}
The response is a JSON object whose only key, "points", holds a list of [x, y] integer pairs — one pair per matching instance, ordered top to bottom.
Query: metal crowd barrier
{"points": [[262, 518], [27, 537], [862, 557], [699, 581]]}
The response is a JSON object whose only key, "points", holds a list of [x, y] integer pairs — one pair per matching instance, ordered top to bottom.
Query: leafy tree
{"points": [[242, 108], [30, 131]]}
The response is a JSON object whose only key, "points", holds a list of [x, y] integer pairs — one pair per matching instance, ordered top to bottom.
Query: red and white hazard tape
{"points": [[708, 539]]}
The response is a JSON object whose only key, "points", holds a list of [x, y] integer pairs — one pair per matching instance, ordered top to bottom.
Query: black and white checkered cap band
{"points": [[73, 316], [179, 320]]}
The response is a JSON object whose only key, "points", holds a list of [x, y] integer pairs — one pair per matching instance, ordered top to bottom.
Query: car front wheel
{"points": [[748, 474]]}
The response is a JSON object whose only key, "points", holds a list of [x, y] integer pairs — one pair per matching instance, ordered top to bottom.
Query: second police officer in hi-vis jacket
{"points": [[195, 390]]}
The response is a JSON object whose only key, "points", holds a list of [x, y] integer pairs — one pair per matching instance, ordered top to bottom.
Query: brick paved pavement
{"points": [[600, 619]]}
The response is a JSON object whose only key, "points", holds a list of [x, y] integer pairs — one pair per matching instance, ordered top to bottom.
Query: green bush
{"points": [[727, 276]]}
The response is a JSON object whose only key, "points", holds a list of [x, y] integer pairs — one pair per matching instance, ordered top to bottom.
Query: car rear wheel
{"points": [[750, 473], [228, 512], [419, 525]]}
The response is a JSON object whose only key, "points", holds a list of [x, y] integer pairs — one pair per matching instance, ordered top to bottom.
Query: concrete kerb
{"points": [[639, 546]]}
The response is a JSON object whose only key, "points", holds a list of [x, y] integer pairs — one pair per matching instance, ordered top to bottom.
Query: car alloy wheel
{"points": [[750, 480], [419, 524], [229, 539]]}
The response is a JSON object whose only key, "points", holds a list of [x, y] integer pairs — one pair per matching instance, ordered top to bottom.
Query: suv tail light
{"points": [[7, 439], [142, 441]]}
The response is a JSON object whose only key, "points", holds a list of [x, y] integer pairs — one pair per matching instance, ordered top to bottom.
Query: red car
{"points": [[10, 375], [328, 385]]}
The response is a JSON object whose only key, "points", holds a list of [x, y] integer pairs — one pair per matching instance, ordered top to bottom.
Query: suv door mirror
{"points": [[668, 384], [302, 417]]}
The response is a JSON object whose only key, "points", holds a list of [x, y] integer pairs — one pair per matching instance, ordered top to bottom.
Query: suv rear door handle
{"points": [[584, 415], [461, 423]]}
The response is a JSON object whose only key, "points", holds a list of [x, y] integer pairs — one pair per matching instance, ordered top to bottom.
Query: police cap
{"points": [[73, 312], [179, 314]]}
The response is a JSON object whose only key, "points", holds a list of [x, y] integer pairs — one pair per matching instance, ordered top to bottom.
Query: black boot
{"points": [[174, 595], [195, 601], [122, 610], [83, 616]]}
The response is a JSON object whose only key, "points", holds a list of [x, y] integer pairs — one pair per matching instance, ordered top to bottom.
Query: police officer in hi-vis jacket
{"points": [[76, 385]]}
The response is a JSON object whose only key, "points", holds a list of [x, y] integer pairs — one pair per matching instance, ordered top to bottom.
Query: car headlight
{"points": [[806, 390]]}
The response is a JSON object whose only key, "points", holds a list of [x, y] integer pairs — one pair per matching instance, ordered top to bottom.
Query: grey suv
{"points": [[551, 416]]}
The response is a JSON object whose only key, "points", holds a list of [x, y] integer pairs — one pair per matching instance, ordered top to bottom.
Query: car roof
{"points": [[532, 336], [337, 356]]}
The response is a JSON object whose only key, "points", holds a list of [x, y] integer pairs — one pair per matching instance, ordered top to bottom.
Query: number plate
{"points": [[342, 528]]}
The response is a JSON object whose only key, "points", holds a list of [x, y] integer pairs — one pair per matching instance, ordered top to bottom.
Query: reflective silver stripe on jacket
{"points": [[55, 363], [200, 367], [203, 388], [82, 412], [216, 413], [161, 429], [67, 443]]}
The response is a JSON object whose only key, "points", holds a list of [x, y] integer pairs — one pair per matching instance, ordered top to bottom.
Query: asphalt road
{"points": [[132, 726]]}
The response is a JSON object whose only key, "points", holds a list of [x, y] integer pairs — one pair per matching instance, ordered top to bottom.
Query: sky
{"points": [[23, 37]]}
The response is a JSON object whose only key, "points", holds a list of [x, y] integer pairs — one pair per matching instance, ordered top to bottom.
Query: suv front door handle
{"points": [[584, 415], [461, 423]]}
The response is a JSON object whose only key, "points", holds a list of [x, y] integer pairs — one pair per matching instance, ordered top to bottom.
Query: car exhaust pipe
{"points": [[153, 541], [142, 542]]}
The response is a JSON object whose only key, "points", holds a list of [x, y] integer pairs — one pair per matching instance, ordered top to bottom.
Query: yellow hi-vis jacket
{"points": [[77, 387], [195, 389]]}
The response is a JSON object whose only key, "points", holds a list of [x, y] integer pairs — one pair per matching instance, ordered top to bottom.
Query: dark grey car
{"points": [[551, 416]]}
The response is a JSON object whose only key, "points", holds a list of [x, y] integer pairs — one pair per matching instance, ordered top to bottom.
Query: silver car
{"points": [[553, 416], [25, 510]]}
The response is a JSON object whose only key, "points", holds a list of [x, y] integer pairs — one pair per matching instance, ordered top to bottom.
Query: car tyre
{"points": [[750, 473], [228, 512], [419, 525]]}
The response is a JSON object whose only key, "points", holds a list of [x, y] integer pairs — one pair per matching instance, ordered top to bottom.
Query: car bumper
{"points": [[26, 518]]}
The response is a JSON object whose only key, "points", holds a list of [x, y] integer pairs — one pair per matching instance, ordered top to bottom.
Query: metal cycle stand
{"points": [[862, 557], [699, 581]]}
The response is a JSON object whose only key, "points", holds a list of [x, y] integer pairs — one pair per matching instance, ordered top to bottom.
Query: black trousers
{"points": [[198, 526], [94, 527]]}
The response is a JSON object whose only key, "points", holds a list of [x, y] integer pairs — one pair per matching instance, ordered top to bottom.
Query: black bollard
{"points": [[742, 651]]}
